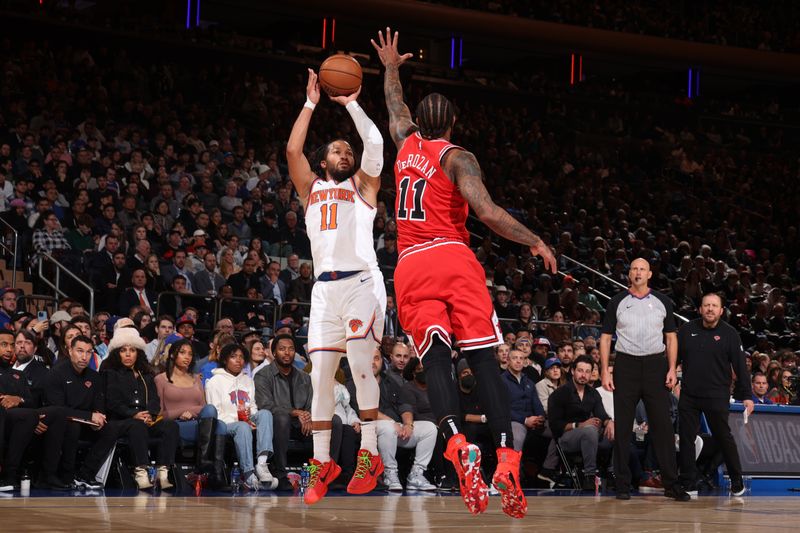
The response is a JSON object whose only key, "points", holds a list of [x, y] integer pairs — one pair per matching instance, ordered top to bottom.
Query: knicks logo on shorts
{"points": [[355, 325]]}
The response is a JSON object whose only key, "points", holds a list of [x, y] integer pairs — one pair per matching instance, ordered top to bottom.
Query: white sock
{"points": [[369, 437], [322, 445]]}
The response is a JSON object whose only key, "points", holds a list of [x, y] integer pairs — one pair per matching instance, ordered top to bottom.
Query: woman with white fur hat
{"points": [[132, 401]]}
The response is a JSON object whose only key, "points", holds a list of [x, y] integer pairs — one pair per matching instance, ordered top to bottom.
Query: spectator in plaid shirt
{"points": [[49, 237]]}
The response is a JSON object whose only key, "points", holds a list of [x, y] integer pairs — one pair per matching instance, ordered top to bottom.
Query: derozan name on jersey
{"points": [[419, 162], [324, 195]]}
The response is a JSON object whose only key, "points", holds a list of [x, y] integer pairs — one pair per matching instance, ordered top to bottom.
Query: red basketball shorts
{"points": [[441, 290]]}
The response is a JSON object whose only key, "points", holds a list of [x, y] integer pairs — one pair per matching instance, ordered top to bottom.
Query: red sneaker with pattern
{"points": [[466, 459], [368, 467], [320, 475], [506, 481]]}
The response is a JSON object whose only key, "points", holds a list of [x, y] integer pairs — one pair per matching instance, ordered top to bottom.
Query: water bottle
{"points": [[151, 473], [304, 476], [236, 478], [25, 485]]}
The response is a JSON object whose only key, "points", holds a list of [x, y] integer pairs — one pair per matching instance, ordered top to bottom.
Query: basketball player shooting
{"points": [[440, 286], [349, 299]]}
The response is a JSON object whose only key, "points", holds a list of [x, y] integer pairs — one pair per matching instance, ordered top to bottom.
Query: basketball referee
{"points": [[644, 369]]}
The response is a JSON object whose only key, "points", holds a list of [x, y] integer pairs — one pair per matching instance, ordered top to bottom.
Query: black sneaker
{"points": [[83, 482], [52, 483], [589, 484], [6, 485], [284, 485], [737, 487], [677, 493], [623, 495]]}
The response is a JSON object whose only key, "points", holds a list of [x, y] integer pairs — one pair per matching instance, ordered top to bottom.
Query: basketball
{"points": [[340, 75]]}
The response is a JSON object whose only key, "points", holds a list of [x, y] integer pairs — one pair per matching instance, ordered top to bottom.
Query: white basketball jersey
{"points": [[339, 225]]}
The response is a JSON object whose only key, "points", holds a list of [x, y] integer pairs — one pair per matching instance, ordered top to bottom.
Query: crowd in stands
{"points": [[737, 23], [164, 187]]}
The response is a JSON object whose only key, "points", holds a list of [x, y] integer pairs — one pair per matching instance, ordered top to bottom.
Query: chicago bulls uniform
{"points": [[440, 286], [348, 300]]}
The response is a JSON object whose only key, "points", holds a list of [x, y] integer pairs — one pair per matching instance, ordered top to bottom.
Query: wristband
{"points": [[309, 104], [483, 419], [574, 425]]}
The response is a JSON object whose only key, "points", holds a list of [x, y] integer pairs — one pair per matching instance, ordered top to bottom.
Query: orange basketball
{"points": [[340, 75]]}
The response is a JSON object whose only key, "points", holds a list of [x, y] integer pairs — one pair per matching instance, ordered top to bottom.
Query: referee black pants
{"points": [[635, 378], [717, 412]]}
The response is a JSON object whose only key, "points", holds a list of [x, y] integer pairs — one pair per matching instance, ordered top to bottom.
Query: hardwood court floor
{"points": [[394, 514]]}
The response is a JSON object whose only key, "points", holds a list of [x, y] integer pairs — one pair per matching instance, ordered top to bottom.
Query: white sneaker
{"points": [[265, 477], [417, 480], [392, 481], [252, 482]]}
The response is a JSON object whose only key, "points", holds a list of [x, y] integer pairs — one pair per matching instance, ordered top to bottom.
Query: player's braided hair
{"points": [[434, 116]]}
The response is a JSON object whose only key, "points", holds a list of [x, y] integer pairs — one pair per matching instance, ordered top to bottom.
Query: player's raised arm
{"points": [[400, 123], [299, 169], [465, 172], [369, 175]]}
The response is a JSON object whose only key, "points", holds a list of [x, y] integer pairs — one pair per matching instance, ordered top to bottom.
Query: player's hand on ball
{"points": [[387, 50], [312, 89], [344, 100], [547, 256]]}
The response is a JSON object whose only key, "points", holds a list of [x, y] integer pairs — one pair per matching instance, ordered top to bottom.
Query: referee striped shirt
{"points": [[640, 323]]}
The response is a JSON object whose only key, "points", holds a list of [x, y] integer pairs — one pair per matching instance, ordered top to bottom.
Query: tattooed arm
{"points": [[400, 123], [464, 170]]}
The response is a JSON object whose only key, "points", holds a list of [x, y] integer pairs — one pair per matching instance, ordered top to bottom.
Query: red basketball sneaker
{"points": [[466, 459], [368, 468], [319, 477], [506, 481]]}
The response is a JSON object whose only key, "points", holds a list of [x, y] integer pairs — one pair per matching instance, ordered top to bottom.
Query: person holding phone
{"points": [[132, 400]]}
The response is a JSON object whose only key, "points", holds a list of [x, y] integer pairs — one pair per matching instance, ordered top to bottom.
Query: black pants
{"points": [[642, 378], [716, 411], [285, 427], [16, 432], [139, 433], [51, 441], [102, 441]]}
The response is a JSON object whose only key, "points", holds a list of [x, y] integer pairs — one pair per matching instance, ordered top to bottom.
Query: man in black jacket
{"points": [[709, 349], [33, 369], [80, 390], [51, 420], [578, 420], [17, 422]]}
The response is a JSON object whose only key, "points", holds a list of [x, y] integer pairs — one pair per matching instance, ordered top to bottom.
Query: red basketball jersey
{"points": [[428, 204]]}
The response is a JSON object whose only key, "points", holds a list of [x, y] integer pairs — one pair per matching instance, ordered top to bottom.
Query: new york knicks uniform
{"points": [[440, 286], [348, 300]]}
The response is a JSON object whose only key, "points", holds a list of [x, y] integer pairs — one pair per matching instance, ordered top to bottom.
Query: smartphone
{"points": [[42, 316]]}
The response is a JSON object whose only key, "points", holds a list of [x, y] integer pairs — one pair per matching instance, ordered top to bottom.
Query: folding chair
{"points": [[572, 472]]}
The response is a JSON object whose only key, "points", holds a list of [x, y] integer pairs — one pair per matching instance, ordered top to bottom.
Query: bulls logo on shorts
{"points": [[355, 325], [88, 384]]}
